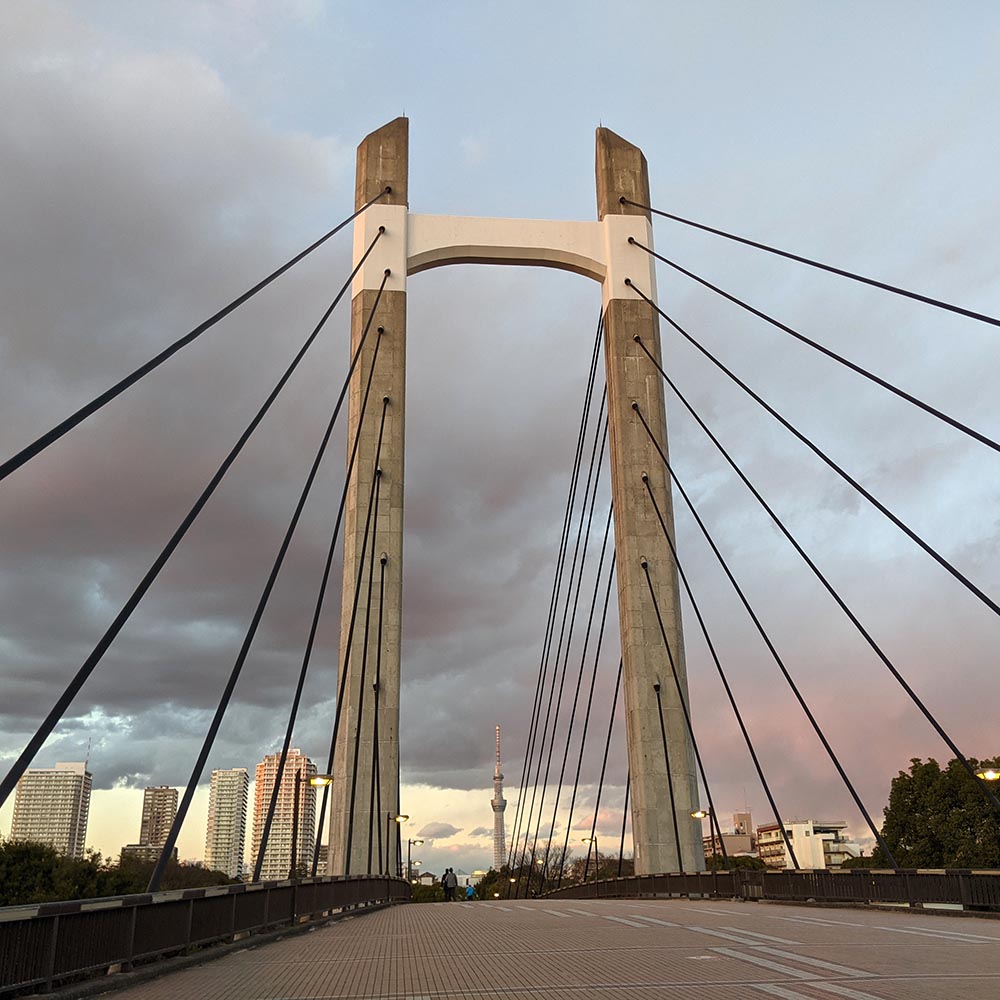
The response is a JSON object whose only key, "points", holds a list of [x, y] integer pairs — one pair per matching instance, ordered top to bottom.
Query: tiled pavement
{"points": [[584, 950]]}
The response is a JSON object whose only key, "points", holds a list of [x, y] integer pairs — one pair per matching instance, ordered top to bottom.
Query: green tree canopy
{"points": [[939, 818], [37, 873]]}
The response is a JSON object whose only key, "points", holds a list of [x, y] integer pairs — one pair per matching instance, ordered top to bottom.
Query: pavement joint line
{"points": [[557, 913], [584, 913], [624, 920], [653, 920], [934, 932], [764, 937], [786, 970], [844, 970], [772, 989], [844, 991]]}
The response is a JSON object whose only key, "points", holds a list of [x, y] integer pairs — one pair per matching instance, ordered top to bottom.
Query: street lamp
{"points": [[988, 774], [317, 781], [700, 814], [391, 818], [409, 845], [597, 858]]}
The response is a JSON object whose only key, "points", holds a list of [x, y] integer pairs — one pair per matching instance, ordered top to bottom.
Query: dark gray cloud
{"points": [[148, 181]]}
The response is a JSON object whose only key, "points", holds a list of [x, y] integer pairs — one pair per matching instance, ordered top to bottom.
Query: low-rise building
{"points": [[817, 844]]}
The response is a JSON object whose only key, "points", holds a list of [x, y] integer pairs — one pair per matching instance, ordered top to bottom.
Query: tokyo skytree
{"points": [[499, 803]]}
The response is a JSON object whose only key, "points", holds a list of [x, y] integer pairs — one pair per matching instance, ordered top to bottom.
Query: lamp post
{"points": [[988, 774], [317, 781], [702, 814], [391, 818], [597, 858], [409, 866]]}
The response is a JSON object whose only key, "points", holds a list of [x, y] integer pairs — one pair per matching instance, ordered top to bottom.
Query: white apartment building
{"points": [[52, 806], [227, 820], [816, 844], [278, 856]]}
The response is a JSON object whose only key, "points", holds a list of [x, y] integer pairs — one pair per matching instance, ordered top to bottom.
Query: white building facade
{"points": [[52, 807], [227, 821], [817, 844]]}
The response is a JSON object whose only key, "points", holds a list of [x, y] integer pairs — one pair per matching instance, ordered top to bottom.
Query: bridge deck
{"points": [[584, 950]]}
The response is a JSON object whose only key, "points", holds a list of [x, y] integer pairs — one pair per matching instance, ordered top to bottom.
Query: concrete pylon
{"points": [[382, 162], [622, 171]]}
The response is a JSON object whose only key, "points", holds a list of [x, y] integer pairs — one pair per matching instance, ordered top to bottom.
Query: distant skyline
{"points": [[161, 157]]}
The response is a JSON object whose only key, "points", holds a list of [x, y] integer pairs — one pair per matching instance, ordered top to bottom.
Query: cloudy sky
{"points": [[158, 158]]}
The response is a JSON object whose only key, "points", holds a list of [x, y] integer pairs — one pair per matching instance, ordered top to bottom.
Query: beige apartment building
{"points": [[278, 856]]}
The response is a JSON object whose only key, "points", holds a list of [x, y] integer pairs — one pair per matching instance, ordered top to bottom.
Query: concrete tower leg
{"points": [[382, 162], [621, 171]]}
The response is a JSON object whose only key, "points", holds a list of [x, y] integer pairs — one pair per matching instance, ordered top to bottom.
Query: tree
{"points": [[939, 818], [736, 863], [37, 873]]}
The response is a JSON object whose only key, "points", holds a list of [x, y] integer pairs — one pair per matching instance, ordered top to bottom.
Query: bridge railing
{"points": [[978, 890], [46, 944]]}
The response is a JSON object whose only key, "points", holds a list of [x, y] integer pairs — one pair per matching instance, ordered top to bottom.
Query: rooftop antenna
{"points": [[86, 763]]}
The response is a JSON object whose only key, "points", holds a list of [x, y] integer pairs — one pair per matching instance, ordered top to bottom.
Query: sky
{"points": [[159, 158]]}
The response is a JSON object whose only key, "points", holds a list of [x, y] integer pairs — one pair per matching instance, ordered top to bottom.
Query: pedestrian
{"points": [[448, 882], [469, 893]]}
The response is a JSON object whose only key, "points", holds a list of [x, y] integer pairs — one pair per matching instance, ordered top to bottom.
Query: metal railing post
{"points": [[50, 960]]}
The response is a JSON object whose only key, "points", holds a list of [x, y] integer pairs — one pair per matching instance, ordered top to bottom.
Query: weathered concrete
{"points": [[382, 161], [621, 170]]}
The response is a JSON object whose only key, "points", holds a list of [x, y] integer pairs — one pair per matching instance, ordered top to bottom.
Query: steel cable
{"points": [[896, 290], [815, 345], [50, 437], [877, 504], [579, 555], [825, 582], [317, 612], [760, 628], [350, 635], [248, 639], [583, 653], [364, 667], [87, 668], [722, 675], [590, 698], [604, 763], [520, 816], [714, 819]]}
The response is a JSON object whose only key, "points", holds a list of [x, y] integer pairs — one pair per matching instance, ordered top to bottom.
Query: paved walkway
{"points": [[585, 950]]}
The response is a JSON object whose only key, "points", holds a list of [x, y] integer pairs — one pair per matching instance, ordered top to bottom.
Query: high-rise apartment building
{"points": [[52, 806], [159, 807], [227, 821], [278, 856]]}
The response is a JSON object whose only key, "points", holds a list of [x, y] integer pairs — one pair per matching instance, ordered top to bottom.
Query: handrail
{"points": [[968, 888], [45, 944]]}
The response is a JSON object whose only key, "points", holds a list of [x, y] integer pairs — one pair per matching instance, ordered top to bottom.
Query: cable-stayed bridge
{"points": [[623, 423]]}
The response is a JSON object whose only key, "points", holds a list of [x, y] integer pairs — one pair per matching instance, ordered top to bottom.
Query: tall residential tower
{"points": [[499, 803], [52, 807], [227, 821], [278, 856]]}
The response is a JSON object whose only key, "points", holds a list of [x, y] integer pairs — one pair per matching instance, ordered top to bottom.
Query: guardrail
{"points": [[975, 890], [47, 944]]}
